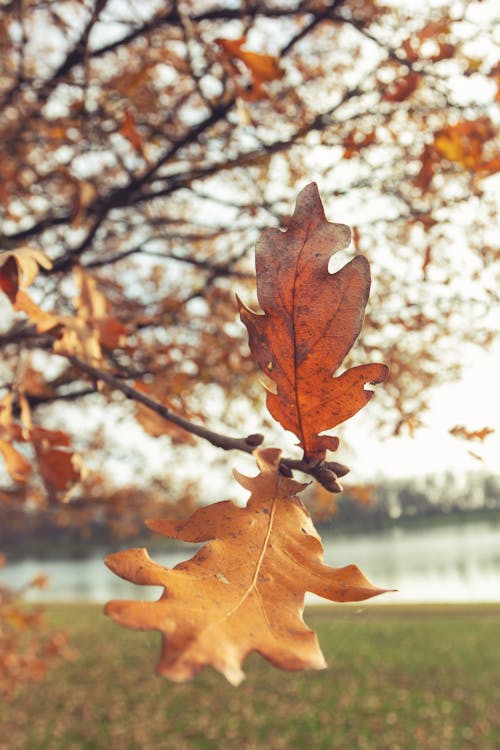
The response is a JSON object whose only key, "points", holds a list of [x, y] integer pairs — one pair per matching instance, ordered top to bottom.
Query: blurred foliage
{"points": [[145, 148]]}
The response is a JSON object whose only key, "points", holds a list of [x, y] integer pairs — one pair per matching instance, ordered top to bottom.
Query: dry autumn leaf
{"points": [[261, 68], [402, 88], [130, 131], [464, 143], [20, 267], [311, 320], [43, 321], [84, 334], [32, 382], [462, 432], [55, 457], [17, 465], [244, 590]]}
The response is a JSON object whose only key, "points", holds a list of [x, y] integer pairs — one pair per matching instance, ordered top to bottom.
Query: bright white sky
{"points": [[473, 402]]}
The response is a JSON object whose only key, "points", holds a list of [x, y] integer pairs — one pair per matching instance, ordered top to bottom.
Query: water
{"points": [[443, 564]]}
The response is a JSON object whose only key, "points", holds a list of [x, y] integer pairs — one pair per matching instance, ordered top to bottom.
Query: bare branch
{"points": [[324, 473]]}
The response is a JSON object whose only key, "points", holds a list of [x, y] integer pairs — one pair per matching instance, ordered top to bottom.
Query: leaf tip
{"points": [[308, 203]]}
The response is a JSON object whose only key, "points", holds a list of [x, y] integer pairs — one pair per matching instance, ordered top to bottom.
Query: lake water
{"points": [[459, 563]]}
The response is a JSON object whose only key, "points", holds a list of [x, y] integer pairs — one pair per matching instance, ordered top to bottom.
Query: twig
{"points": [[246, 444], [326, 473]]}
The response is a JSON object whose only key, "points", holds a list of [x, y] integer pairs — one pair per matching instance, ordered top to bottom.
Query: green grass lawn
{"points": [[399, 678]]}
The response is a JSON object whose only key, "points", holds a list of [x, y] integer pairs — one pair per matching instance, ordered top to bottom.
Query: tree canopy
{"points": [[146, 146]]}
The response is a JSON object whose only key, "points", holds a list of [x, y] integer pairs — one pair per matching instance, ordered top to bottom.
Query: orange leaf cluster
{"points": [[262, 69], [462, 144], [311, 320], [83, 334], [462, 432], [53, 452], [244, 590], [25, 649]]}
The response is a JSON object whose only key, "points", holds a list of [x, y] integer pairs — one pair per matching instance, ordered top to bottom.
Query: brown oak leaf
{"points": [[20, 267], [311, 320], [55, 457], [244, 590]]}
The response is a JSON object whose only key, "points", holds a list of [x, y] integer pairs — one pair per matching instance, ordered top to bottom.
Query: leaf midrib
{"points": [[301, 434], [253, 585]]}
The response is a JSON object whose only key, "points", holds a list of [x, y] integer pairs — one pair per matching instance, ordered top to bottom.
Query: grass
{"points": [[400, 678]]}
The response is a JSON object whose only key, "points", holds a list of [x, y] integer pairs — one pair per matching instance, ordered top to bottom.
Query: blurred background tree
{"points": [[144, 148]]}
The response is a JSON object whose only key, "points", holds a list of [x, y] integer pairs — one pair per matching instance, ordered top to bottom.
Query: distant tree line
{"points": [[424, 498], [24, 533]]}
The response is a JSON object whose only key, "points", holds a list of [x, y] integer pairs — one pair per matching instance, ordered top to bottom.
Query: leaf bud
{"points": [[254, 439], [339, 469], [285, 470], [328, 479]]}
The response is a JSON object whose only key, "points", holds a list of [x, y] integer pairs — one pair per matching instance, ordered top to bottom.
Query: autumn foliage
{"points": [[145, 150], [133, 162], [244, 590], [25, 647]]}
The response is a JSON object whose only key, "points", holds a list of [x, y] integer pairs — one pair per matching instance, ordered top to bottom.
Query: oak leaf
{"points": [[311, 320], [244, 590]]}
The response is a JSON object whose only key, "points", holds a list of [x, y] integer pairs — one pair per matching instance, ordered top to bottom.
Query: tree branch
{"points": [[326, 473]]}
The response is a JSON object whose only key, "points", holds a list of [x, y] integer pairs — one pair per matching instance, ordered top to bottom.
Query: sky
{"points": [[474, 402]]}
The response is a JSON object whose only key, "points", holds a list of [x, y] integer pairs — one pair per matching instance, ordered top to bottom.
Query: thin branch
{"points": [[324, 15], [247, 444], [326, 473]]}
